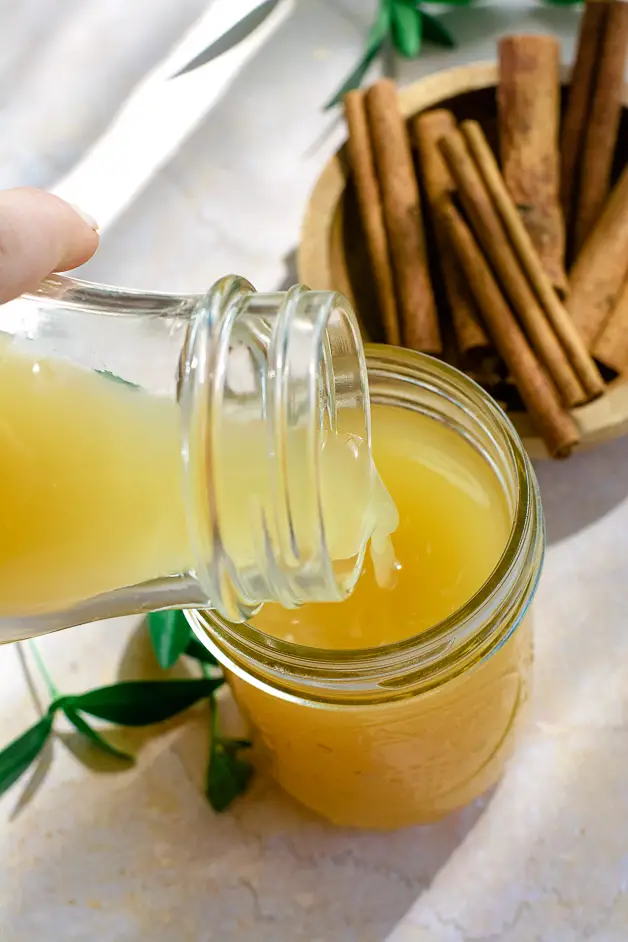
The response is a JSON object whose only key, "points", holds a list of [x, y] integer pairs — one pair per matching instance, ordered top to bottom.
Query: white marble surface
{"points": [[104, 854]]}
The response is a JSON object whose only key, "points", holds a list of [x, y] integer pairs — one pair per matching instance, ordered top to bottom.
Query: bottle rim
{"points": [[466, 636]]}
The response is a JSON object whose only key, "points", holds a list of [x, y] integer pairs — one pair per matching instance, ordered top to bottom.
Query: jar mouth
{"points": [[496, 604]]}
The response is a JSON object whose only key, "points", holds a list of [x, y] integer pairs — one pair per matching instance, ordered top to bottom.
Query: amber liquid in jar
{"points": [[401, 703], [421, 755]]}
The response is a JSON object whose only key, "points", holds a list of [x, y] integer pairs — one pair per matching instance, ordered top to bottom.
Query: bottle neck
{"points": [[238, 464]]}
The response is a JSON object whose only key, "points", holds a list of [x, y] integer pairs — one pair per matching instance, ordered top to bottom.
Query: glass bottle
{"points": [[165, 451], [404, 733]]}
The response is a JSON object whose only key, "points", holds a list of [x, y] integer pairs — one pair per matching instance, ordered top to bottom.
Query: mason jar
{"points": [[164, 451], [404, 733]]}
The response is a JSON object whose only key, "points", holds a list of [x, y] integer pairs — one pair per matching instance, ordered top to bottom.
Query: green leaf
{"points": [[380, 26], [406, 29], [435, 32], [374, 42], [170, 635], [199, 652], [143, 702], [99, 741], [22, 752], [227, 776]]}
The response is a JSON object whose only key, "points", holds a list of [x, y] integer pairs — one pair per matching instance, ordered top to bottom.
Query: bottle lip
{"points": [[469, 634]]}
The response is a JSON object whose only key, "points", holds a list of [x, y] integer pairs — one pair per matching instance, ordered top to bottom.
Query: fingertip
{"points": [[87, 219], [40, 234], [79, 241]]}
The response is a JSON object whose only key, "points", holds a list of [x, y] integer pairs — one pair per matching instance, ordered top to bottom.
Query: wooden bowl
{"points": [[332, 253]]}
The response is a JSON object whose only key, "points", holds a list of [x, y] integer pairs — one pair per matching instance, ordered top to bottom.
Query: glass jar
{"points": [[162, 451], [404, 733]]}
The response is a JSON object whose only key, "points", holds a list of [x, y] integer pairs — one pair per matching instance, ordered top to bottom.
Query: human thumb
{"points": [[39, 234]]}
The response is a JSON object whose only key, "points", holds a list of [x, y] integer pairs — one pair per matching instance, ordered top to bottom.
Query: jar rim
{"points": [[525, 543]]}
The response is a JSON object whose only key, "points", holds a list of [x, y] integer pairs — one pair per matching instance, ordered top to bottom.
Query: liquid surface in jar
{"points": [[92, 488], [454, 525], [391, 763]]}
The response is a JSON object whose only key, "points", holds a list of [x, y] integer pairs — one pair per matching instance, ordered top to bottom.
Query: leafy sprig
{"points": [[405, 25], [141, 703], [227, 774]]}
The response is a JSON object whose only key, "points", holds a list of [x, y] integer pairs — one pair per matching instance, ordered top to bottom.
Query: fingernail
{"points": [[89, 220]]}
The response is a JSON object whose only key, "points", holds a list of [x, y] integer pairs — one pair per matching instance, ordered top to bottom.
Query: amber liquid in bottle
{"points": [[92, 489]]}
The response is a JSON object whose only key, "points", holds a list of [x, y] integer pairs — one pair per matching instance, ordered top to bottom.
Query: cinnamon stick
{"points": [[528, 103], [578, 107], [602, 123], [362, 164], [402, 216], [493, 238], [601, 267], [563, 325], [471, 338], [611, 347], [554, 424]]}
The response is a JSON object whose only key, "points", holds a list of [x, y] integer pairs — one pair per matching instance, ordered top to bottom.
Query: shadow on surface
{"points": [[558, 20], [470, 26], [320, 142], [291, 277], [578, 492], [138, 662], [28, 678], [94, 758], [36, 780], [265, 871]]}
